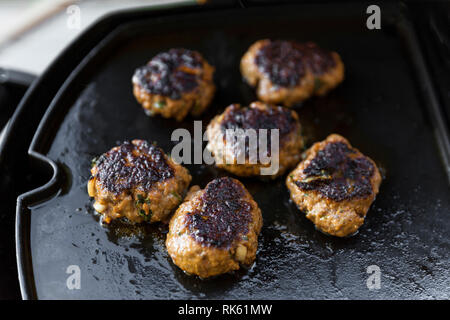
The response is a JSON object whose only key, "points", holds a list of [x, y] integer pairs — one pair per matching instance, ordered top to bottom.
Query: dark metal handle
{"points": [[439, 25], [18, 78], [13, 85]]}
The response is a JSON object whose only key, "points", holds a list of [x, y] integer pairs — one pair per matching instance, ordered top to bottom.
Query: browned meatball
{"points": [[326, 67], [288, 72], [175, 83], [257, 116], [136, 180], [335, 186], [215, 229]]}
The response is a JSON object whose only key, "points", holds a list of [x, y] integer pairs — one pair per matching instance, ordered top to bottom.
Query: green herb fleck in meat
{"points": [[317, 84], [159, 104], [94, 161], [176, 195], [146, 217]]}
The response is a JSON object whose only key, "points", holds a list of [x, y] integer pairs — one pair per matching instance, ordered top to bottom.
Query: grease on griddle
{"points": [[170, 73], [134, 164], [339, 173], [223, 216]]}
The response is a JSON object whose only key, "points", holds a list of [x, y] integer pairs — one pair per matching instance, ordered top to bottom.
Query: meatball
{"points": [[326, 67], [288, 72], [175, 83], [257, 116], [136, 180], [335, 186], [215, 230]]}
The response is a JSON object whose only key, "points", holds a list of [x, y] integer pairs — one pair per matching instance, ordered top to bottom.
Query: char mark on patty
{"points": [[318, 60], [282, 61], [285, 62], [170, 73], [254, 118], [134, 164], [339, 173], [223, 216]]}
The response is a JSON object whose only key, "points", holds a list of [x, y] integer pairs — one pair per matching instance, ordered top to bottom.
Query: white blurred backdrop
{"points": [[33, 32]]}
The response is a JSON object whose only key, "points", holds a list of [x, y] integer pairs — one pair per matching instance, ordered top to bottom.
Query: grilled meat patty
{"points": [[288, 72], [175, 83], [257, 116], [136, 180], [335, 186], [215, 230]]}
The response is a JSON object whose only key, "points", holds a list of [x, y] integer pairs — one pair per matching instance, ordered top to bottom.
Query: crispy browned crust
{"points": [[287, 72], [174, 84], [257, 116], [136, 180], [335, 186], [215, 230]]}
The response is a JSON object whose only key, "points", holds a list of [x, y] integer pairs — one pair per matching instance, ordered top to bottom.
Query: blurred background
{"points": [[33, 32]]}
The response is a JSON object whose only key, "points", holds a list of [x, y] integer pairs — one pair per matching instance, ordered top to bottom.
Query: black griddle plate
{"points": [[380, 108]]}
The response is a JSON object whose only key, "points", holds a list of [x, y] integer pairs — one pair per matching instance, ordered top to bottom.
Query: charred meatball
{"points": [[326, 67], [289, 72], [175, 83], [257, 116], [136, 180], [335, 186], [215, 230]]}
